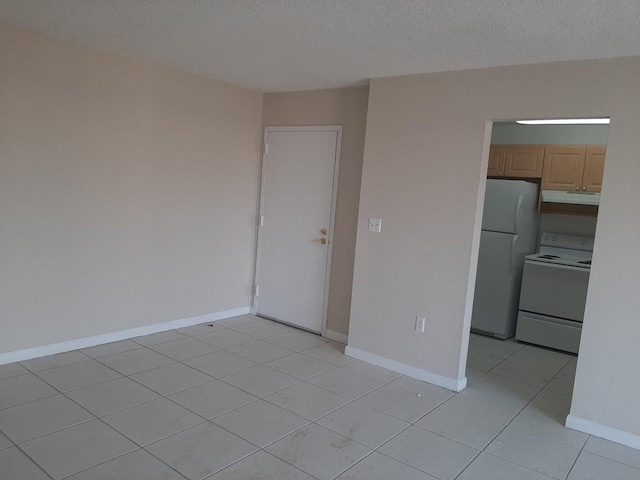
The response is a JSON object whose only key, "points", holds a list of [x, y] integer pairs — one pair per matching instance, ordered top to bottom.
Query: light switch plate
{"points": [[375, 225]]}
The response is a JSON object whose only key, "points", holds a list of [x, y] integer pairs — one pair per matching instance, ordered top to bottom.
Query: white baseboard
{"points": [[338, 337], [44, 350], [408, 370], [603, 431]]}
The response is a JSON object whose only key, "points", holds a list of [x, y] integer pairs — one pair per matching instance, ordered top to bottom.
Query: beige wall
{"points": [[346, 107], [423, 174], [128, 192]]}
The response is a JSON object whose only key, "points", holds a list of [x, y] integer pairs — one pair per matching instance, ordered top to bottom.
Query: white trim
{"points": [[332, 220], [335, 336], [51, 349], [408, 370], [603, 431]]}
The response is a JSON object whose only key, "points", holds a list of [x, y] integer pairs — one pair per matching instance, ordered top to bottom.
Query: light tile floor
{"points": [[247, 398]]}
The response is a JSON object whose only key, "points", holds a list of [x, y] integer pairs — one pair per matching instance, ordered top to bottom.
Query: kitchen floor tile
{"points": [[239, 320], [200, 329], [262, 329], [157, 338], [226, 338], [297, 341], [494, 347], [111, 348], [184, 348], [260, 351], [332, 352], [540, 358], [52, 361], [135, 361], [481, 362], [219, 364], [300, 366], [12, 370], [373, 371], [522, 373], [473, 374], [78, 375], [171, 378], [260, 380], [345, 382], [562, 383], [505, 387], [25, 388], [421, 388], [110, 397], [212, 399], [307, 400], [552, 402], [399, 403], [494, 407], [34, 419], [152, 421], [260, 423], [363, 424], [548, 425], [461, 426], [5, 442], [74, 449], [201, 451], [613, 451], [319, 452], [431, 453], [537, 453], [137, 465], [17, 466], [261, 466], [380, 467], [488, 467], [594, 467]]}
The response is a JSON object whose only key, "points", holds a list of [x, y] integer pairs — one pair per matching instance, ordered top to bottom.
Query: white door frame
{"points": [[334, 196]]}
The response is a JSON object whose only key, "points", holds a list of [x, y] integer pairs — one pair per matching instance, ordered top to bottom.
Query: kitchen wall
{"points": [[346, 107], [513, 134], [424, 171], [128, 192], [569, 224]]}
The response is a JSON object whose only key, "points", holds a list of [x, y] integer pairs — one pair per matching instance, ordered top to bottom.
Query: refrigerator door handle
{"points": [[518, 211], [514, 244]]}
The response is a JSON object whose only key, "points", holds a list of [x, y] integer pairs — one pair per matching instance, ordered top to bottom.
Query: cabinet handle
{"points": [[577, 189], [584, 189]]}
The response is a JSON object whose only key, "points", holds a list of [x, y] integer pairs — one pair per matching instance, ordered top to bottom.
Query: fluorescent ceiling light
{"points": [[566, 121]]}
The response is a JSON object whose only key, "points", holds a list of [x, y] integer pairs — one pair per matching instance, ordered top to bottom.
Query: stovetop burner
{"points": [[548, 256], [586, 262]]}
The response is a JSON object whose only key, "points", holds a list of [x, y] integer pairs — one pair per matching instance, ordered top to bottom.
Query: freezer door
{"points": [[503, 202], [495, 304]]}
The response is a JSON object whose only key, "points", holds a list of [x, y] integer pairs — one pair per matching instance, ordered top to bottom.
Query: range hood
{"points": [[575, 198]]}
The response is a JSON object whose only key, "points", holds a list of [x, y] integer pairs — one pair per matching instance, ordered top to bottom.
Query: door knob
{"points": [[324, 231], [323, 241]]}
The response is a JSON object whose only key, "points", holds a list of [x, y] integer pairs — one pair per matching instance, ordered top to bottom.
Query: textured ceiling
{"points": [[279, 45]]}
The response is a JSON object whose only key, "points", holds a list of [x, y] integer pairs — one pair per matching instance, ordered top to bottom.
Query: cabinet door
{"points": [[496, 161], [524, 161], [563, 167], [593, 168]]}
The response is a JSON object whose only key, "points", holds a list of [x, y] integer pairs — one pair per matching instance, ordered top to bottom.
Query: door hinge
{"points": [[262, 220], [257, 289]]}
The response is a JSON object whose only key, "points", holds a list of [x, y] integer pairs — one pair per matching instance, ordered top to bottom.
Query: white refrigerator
{"points": [[509, 233]]}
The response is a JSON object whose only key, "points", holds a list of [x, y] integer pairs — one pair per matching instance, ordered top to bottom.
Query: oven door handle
{"points": [[514, 244]]}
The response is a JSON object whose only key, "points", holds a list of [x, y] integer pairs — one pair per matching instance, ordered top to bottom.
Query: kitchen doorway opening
{"points": [[540, 207]]}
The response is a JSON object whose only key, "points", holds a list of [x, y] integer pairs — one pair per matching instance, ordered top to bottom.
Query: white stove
{"points": [[554, 292]]}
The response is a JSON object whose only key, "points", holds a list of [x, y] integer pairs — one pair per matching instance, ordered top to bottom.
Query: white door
{"points": [[299, 174]]}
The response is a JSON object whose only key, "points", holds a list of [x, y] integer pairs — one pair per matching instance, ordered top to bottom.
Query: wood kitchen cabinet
{"points": [[516, 161], [573, 167]]}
